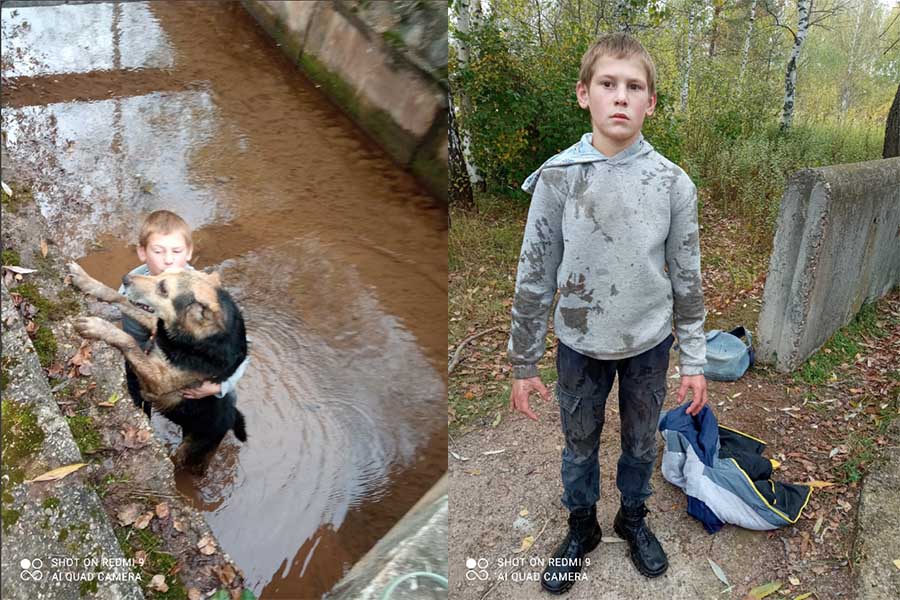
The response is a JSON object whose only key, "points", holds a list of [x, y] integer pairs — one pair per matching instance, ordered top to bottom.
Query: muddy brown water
{"points": [[337, 257]]}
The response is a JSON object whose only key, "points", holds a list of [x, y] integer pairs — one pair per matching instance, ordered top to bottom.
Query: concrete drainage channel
{"points": [[115, 526]]}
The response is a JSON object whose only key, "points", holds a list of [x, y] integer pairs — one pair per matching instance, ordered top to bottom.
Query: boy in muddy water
{"points": [[613, 227], [165, 242]]}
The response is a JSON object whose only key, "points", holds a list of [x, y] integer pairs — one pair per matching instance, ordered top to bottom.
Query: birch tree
{"points": [[464, 13], [745, 52], [688, 57], [790, 75]]}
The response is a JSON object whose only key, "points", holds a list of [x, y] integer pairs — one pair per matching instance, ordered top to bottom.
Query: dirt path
{"points": [[514, 467]]}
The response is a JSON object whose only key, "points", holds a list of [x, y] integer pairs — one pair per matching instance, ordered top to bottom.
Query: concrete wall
{"points": [[383, 63], [837, 247], [416, 544]]}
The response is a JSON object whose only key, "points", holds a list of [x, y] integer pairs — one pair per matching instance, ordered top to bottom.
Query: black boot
{"points": [[646, 552], [565, 564]]}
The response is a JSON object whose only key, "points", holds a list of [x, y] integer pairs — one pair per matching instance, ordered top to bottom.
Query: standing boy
{"points": [[613, 227], [165, 243]]}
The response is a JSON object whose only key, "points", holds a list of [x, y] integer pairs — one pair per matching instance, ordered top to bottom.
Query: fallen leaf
{"points": [[5, 187], [44, 248], [19, 270], [113, 398], [497, 419], [135, 438], [56, 474], [819, 484], [162, 510], [523, 512], [128, 514], [144, 520], [178, 524], [818, 525], [527, 542], [207, 545], [140, 557], [897, 563], [718, 571], [226, 574], [794, 580], [158, 583], [765, 589], [194, 594], [803, 596]]}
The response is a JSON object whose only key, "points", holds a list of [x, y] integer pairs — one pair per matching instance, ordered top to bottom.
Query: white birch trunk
{"points": [[464, 15], [745, 53], [688, 60], [790, 76], [847, 84]]}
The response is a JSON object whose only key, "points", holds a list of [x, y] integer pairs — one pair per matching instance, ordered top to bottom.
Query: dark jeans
{"points": [[584, 384]]}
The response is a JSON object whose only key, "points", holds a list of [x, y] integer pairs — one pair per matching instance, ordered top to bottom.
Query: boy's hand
{"points": [[697, 384], [207, 388], [521, 389]]}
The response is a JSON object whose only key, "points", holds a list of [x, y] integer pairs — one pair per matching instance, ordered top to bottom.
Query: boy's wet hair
{"points": [[618, 45], [164, 222]]}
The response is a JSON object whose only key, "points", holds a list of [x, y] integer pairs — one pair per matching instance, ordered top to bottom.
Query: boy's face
{"points": [[619, 100], [164, 252]]}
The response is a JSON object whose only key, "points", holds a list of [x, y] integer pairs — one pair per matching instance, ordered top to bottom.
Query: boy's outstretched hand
{"points": [[697, 385], [521, 389]]}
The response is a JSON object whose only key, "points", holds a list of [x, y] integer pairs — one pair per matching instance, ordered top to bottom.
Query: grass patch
{"points": [[483, 252], [11, 258], [65, 306], [842, 348], [7, 363], [85, 433], [22, 438], [862, 453], [158, 561]]}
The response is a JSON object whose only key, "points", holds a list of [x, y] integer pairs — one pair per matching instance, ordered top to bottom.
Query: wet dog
{"points": [[197, 334]]}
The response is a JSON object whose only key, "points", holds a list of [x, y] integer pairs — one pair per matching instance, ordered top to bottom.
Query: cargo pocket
{"points": [[578, 423]]}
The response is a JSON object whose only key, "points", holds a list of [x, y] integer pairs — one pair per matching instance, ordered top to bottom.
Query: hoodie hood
{"points": [[583, 152]]}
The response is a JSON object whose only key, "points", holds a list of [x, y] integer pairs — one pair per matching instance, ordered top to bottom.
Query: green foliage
{"points": [[518, 105], [841, 348], [86, 435], [22, 437]]}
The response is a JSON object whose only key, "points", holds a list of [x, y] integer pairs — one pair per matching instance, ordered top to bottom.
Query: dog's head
{"points": [[184, 300]]}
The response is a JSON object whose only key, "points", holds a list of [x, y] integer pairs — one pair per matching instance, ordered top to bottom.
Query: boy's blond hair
{"points": [[617, 45], [164, 222]]}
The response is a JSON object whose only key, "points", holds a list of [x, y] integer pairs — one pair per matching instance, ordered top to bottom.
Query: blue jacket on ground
{"points": [[725, 476]]}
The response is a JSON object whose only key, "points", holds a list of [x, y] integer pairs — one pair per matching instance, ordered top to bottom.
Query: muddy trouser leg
{"points": [[584, 384], [134, 388], [642, 390]]}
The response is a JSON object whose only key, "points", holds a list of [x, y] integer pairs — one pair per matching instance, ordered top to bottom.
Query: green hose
{"points": [[390, 589]]}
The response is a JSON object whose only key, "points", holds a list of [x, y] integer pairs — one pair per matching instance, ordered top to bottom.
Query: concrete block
{"points": [[836, 248]]}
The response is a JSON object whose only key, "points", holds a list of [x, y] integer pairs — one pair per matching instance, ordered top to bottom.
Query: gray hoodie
{"points": [[603, 231]]}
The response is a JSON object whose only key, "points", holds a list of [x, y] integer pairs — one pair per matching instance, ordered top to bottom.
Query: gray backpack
{"points": [[727, 357]]}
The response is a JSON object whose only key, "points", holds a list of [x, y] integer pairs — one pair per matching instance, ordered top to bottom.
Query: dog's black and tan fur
{"points": [[198, 335]]}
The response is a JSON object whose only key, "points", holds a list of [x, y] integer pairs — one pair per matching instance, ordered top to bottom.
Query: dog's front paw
{"points": [[89, 285], [94, 328]]}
